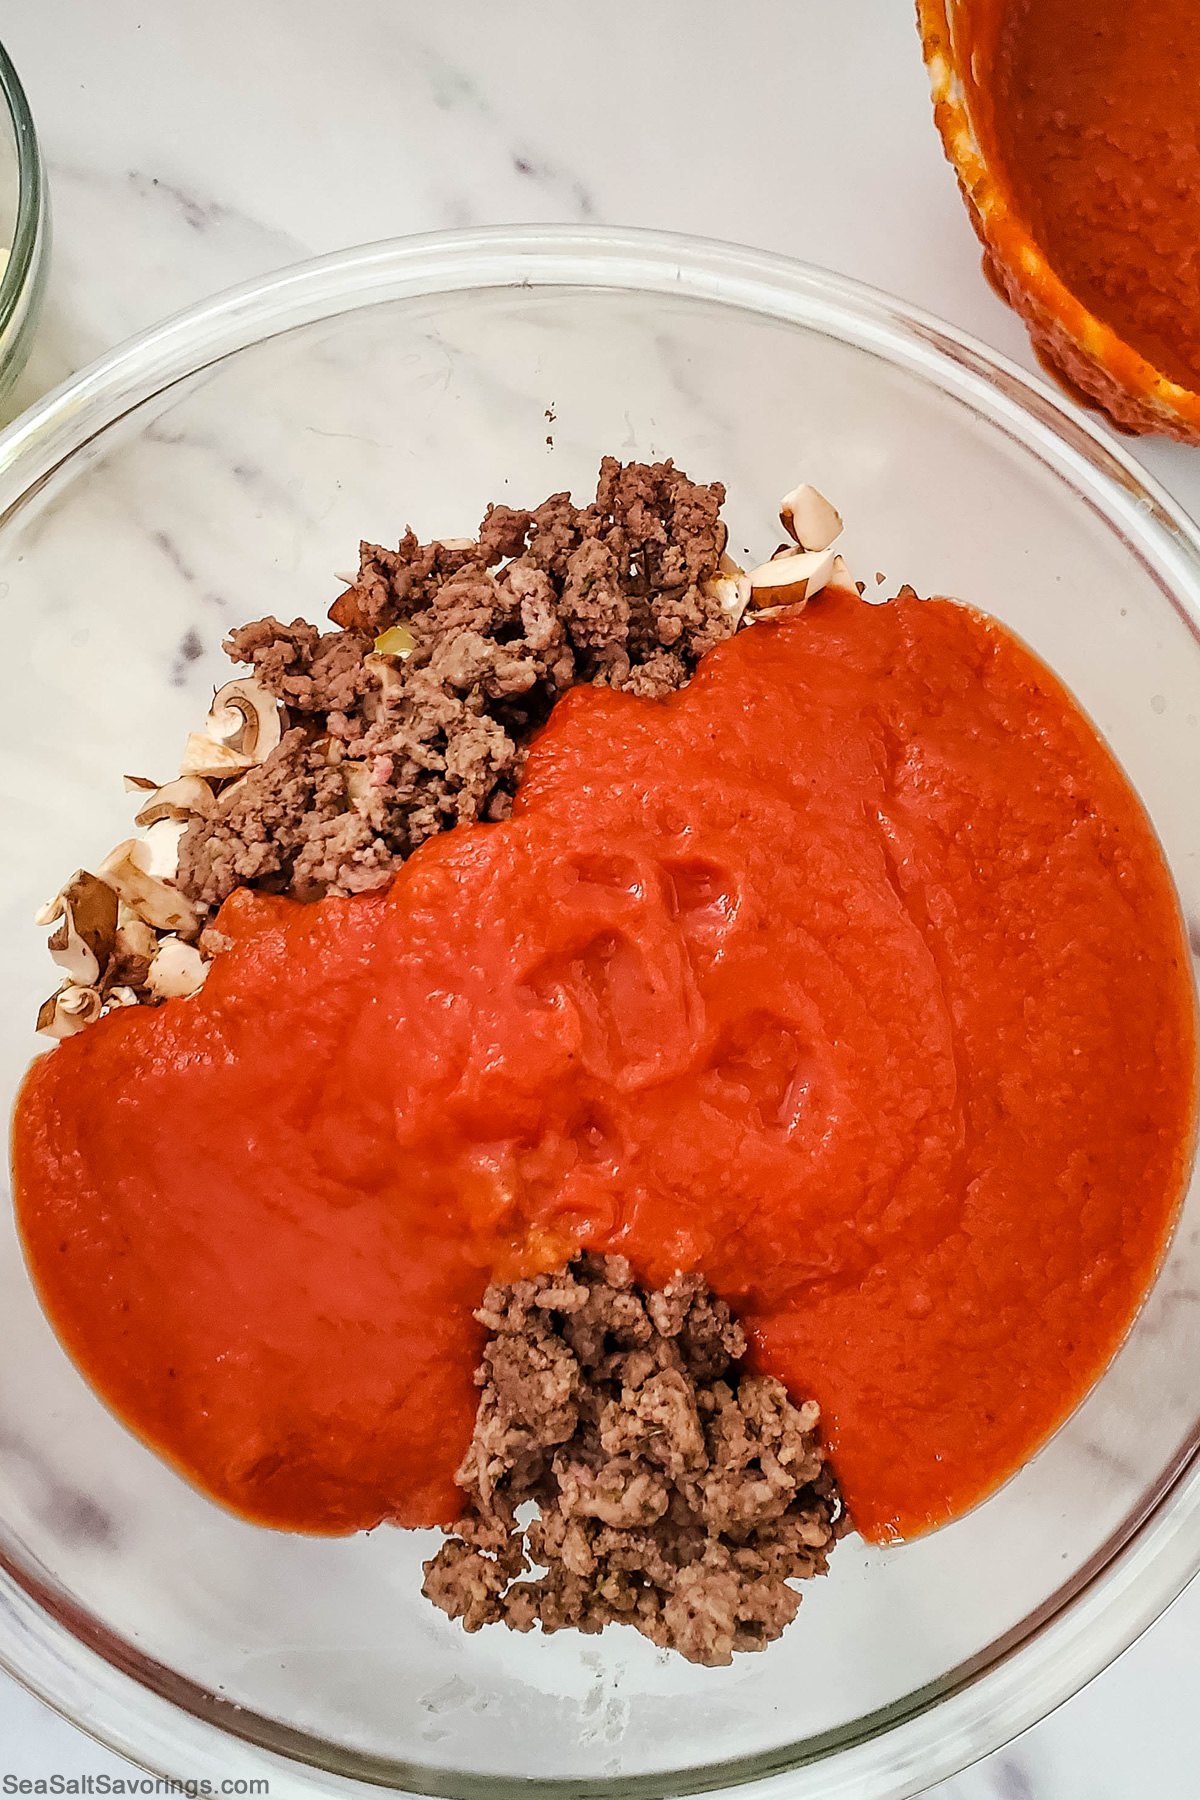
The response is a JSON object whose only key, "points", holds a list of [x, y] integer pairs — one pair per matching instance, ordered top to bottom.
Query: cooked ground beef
{"points": [[384, 751], [675, 1492]]}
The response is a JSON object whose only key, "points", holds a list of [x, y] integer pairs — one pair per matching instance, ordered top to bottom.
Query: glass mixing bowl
{"points": [[24, 226], [224, 466]]}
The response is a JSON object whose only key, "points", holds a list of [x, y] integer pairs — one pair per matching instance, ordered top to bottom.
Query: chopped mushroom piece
{"points": [[808, 517], [840, 576], [791, 579], [729, 587], [386, 671], [245, 716], [216, 761], [357, 779], [179, 799], [159, 855], [148, 897], [86, 915], [136, 940], [72, 954], [178, 969], [80, 1002], [71, 1010]]}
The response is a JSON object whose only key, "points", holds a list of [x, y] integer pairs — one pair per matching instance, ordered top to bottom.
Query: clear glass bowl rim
{"points": [[24, 272], [168, 1725]]}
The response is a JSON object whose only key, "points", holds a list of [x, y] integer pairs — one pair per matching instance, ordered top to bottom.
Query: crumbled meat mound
{"points": [[386, 749], [675, 1493]]}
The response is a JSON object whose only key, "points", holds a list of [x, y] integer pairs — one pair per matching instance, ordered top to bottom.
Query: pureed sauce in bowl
{"points": [[1097, 123], [1075, 129], [851, 975]]}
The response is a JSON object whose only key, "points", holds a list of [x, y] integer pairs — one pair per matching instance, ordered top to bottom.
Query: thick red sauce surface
{"points": [[1096, 115], [851, 975]]}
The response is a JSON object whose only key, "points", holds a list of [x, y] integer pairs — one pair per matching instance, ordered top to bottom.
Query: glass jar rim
{"points": [[22, 269]]}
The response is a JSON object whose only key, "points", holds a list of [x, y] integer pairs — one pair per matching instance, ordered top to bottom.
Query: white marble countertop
{"points": [[189, 148]]}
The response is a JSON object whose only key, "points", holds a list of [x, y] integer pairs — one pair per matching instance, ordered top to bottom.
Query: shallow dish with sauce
{"points": [[1071, 128], [217, 470]]}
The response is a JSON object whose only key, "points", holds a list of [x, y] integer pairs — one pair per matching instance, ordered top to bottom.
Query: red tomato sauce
{"points": [[1095, 108], [851, 975]]}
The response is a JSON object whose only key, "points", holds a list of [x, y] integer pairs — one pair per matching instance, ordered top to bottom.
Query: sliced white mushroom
{"points": [[808, 517], [840, 576], [790, 580], [729, 587], [386, 673], [245, 716], [332, 749], [214, 761], [356, 777], [139, 784], [231, 787], [180, 799], [159, 848], [149, 898], [86, 915], [136, 941], [73, 956], [178, 969], [121, 996], [80, 1001], [69, 1011], [47, 1019]]}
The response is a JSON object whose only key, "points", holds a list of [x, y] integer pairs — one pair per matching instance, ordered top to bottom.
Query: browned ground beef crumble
{"points": [[381, 753], [676, 1493]]}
